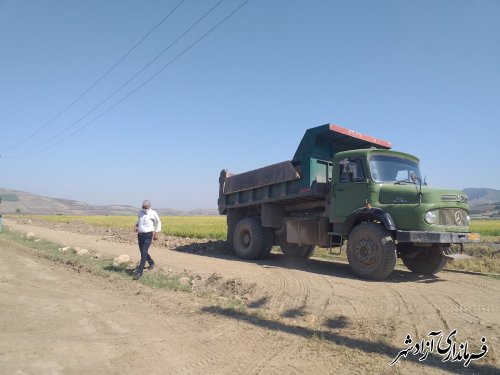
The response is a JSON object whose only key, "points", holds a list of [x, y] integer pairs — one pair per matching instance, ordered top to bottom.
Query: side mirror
{"points": [[413, 176]]}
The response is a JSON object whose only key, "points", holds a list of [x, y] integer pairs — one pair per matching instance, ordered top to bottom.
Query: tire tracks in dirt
{"points": [[300, 292], [290, 298], [274, 300], [336, 303], [457, 307], [408, 310], [438, 310], [259, 362]]}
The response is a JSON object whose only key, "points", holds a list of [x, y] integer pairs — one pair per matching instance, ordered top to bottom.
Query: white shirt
{"points": [[148, 221]]}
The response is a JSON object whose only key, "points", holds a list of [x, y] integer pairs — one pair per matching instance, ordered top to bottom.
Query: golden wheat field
{"points": [[183, 226]]}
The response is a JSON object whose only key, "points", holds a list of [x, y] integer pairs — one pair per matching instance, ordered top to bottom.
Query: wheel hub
{"points": [[245, 239], [366, 251]]}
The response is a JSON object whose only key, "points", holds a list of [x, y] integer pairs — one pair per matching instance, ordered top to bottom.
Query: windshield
{"points": [[389, 168]]}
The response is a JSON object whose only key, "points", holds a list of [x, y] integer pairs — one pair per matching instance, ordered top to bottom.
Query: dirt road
{"points": [[309, 316]]}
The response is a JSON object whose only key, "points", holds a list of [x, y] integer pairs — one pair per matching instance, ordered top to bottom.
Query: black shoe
{"points": [[151, 266], [137, 276]]}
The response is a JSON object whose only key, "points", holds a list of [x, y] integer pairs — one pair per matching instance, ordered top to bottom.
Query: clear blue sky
{"points": [[424, 75]]}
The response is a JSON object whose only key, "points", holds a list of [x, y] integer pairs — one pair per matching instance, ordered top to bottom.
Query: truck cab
{"points": [[385, 188]]}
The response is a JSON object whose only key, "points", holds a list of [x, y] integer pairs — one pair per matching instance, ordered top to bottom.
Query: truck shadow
{"points": [[327, 267], [340, 269], [336, 338]]}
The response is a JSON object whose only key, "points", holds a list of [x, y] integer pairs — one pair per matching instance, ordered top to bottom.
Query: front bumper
{"points": [[436, 237]]}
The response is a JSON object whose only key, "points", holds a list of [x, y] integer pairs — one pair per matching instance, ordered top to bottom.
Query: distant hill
{"points": [[482, 195], [14, 201], [484, 203]]}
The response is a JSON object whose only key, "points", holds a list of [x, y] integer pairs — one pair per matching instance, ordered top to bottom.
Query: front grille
{"points": [[449, 198], [453, 198], [453, 217]]}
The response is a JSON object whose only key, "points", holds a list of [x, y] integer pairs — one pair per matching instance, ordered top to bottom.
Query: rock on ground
{"points": [[30, 235], [80, 251], [121, 260], [185, 281]]}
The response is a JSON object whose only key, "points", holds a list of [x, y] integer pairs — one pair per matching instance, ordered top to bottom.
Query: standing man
{"points": [[147, 228]]}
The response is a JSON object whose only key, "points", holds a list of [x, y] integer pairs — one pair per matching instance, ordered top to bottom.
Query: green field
{"points": [[213, 227]]}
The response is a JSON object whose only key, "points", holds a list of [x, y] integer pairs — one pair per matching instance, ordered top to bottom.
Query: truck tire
{"points": [[233, 217], [249, 240], [268, 242], [293, 250], [371, 251], [423, 260]]}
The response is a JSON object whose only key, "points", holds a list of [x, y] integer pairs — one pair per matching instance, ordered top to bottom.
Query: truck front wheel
{"points": [[249, 240], [371, 251], [423, 260]]}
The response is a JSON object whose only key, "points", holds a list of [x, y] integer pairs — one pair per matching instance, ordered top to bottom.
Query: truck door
{"points": [[350, 189]]}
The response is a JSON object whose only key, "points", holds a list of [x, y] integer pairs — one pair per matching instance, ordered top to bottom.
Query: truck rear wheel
{"points": [[233, 217], [249, 239], [268, 242], [293, 250], [371, 251], [423, 260]]}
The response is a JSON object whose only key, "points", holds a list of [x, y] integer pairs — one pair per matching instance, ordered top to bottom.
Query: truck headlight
{"points": [[430, 217]]}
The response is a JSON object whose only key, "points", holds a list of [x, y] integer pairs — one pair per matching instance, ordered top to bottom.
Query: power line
{"points": [[95, 82], [140, 86], [66, 129]]}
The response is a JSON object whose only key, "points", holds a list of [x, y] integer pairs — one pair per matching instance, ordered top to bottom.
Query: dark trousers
{"points": [[145, 240]]}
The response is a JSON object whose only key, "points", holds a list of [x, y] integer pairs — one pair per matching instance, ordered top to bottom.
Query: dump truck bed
{"points": [[304, 178]]}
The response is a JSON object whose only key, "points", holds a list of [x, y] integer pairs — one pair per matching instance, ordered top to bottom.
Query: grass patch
{"points": [[50, 250], [322, 252], [486, 257], [87, 263], [479, 264], [161, 281], [234, 304], [319, 337]]}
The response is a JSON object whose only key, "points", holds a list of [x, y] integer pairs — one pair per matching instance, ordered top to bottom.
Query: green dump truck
{"points": [[342, 185]]}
